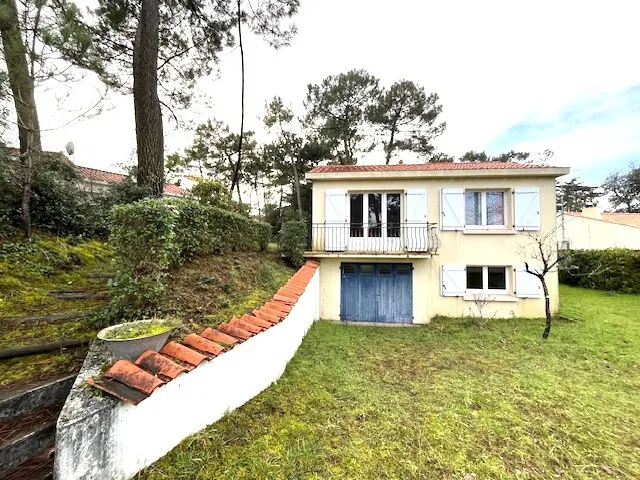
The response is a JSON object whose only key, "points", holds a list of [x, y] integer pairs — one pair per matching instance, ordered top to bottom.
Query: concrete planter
{"points": [[132, 348]]}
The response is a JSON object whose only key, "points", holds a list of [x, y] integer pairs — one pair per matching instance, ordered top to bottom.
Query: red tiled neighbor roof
{"points": [[424, 167], [111, 177], [630, 219], [132, 382]]}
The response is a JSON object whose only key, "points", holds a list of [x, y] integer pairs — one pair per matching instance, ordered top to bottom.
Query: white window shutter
{"points": [[526, 206], [452, 209], [335, 218], [416, 232], [453, 280], [527, 285]]}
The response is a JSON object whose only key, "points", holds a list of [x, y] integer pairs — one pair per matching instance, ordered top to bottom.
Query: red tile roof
{"points": [[424, 167], [111, 177], [630, 219], [132, 382]]}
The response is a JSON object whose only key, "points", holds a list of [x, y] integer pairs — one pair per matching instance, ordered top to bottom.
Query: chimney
{"points": [[591, 212]]}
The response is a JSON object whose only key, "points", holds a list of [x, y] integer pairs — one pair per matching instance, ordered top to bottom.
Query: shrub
{"points": [[153, 235], [293, 241], [616, 269]]}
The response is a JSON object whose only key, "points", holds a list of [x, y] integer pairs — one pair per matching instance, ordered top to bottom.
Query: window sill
{"points": [[489, 231], [500, 297]]}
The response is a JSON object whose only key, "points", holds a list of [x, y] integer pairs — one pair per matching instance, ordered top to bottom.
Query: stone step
{"points": [[35, 397], [27, 439], [39, 467]]}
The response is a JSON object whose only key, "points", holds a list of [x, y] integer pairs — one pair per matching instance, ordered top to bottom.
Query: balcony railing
{"points": [[374, 238]]}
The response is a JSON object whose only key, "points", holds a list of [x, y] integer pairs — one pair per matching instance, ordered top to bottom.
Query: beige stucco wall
{"points": [[590, 233], [497, 249]]}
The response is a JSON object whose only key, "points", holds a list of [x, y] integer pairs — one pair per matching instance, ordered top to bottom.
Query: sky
{"points": [[560, 75]]}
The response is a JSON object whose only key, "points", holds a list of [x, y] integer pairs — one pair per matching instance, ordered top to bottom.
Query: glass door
{"points": [[374, 222]]}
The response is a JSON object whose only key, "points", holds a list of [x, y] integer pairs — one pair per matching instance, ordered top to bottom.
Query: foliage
{"points": [[337, 110], [406, 116], [510, 156], [623, 189], [214, 194], [573, 196], [153, 235], [293, 241], [613, 269], [131, 330], [443, 401]]}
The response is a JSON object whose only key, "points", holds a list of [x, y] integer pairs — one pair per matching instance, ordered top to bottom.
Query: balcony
{"points": [[391, 239]]}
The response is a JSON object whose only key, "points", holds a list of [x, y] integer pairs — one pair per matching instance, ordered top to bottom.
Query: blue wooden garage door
{"points": [[376, 292]]}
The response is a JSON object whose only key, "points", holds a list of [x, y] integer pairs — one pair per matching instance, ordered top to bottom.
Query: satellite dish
{"points": [[70, 148]]}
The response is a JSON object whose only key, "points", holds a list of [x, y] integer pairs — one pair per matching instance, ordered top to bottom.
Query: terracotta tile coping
{"points": [[133, 382]]}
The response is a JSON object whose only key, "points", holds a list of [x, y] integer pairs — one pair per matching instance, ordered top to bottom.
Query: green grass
{"points": [[447, 401]]}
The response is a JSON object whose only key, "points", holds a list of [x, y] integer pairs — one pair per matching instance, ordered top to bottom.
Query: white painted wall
{"points": [[585, 233], [128, 438]]}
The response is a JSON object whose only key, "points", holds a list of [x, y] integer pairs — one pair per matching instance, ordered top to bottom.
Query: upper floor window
{"points": [[484, 208], [374, 214]]}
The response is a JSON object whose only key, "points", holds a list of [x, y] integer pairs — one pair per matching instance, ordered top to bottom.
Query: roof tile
{"points": [[425, 167], [112, 177], [284, 299], [273, 311], [269, 317], [256, 321], [249, 327], [236, 332], [219, 337], [200, 343], [185, 354], [159, 365], [133, 376], [118, 390]]}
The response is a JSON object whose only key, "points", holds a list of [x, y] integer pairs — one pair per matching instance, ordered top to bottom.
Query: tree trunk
{"points": [[21, 83], [148, 115], [389, 147], [236, 172], [296, 179], [547, 308]]}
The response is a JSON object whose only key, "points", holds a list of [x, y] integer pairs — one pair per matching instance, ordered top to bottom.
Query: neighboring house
{"points": [[94, 180], [98, 180], [591, 229], [404, 243]]}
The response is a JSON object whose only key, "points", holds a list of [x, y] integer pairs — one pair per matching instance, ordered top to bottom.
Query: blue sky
{"points": [[608, 124]]}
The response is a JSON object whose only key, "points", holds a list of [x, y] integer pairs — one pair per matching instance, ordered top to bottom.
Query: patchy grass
{"points": [[30, 271], [212, 289], [446, 401]]}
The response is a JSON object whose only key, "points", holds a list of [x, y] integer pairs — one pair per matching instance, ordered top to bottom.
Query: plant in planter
{"points": [[129, 340]]}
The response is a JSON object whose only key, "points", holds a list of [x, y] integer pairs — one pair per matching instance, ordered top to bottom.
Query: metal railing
{"points": [[374, 238]]}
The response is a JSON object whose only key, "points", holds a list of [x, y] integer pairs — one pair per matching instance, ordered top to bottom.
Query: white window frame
{"points": [[365, 207], [483, 212], [485, 281]]}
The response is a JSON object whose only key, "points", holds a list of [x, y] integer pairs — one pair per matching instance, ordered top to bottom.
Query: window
{"points": [[484, 208], [374, 215], [349, 268], [366, 269], [384, 269], [404, 269], [490, 279]]}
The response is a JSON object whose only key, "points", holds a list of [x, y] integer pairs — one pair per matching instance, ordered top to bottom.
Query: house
{"points": [[94, 180], [592, 229], [404, 243]]}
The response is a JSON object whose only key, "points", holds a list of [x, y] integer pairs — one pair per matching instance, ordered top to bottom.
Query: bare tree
{"points": [[543, 249]]}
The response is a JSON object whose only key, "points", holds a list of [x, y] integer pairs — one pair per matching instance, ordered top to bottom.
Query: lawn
{"points": [[448, 400]]}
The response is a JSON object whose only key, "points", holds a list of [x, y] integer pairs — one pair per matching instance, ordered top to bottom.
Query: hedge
{"points": [[153, 235], [293, 241], [615, 269]]}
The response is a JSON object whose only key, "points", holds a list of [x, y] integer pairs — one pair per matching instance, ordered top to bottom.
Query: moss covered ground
{"points": [[203, 292], [445, 401]]}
